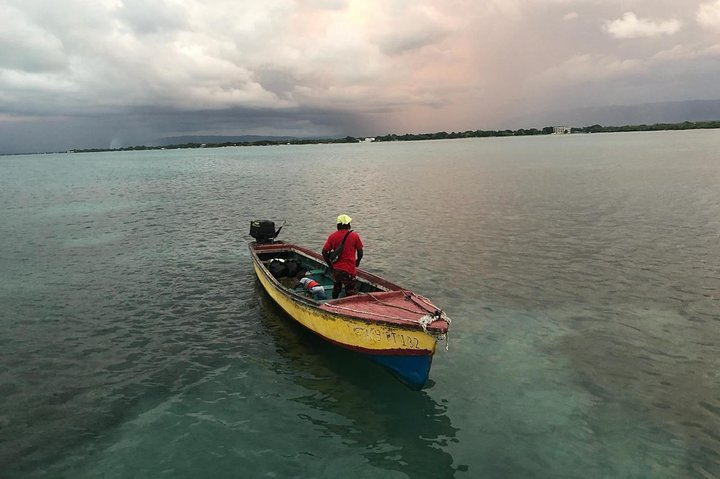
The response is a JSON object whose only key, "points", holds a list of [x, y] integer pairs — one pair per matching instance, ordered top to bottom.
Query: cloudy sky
{"points": [[108, 73]]}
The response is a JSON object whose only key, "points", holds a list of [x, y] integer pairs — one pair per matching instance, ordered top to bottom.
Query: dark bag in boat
{"points": [[334, 255], [293, 267], [277, 268], [284, 268]]}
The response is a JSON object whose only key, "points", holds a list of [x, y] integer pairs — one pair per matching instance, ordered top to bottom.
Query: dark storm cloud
{"points": [[81, 73], [146, 126]]}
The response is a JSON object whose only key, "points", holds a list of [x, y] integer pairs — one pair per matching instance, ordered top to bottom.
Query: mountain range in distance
{"points": [[621, 115], [218, 139]]}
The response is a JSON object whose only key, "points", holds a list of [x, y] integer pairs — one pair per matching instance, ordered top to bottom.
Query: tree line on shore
{"points": [[548, 130]]}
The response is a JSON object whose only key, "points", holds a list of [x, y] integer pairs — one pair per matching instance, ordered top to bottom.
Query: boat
{"points": [[391, 325]]}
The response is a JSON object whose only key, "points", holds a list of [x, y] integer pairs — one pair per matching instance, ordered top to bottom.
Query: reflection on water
{"points": [[395, 427]]}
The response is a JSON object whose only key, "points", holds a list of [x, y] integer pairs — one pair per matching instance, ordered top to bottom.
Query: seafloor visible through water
{"points": [[581, 272]]}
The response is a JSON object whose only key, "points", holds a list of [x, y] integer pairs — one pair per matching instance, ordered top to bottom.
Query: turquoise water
{"points": [[581, 272]]}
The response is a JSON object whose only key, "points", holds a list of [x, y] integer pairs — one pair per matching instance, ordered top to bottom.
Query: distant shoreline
{"points": [[548, 130]]}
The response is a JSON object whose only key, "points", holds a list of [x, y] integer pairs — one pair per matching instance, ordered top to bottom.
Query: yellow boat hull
{"points": [[352, 333]]}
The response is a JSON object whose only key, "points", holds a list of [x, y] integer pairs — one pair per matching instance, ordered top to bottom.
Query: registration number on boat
{"points": [[378, 334]]}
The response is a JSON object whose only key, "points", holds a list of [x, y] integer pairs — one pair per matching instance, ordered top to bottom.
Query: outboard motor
{"points": [[263, 231]]}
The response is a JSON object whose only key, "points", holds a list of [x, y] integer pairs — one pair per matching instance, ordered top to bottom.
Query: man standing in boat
{"points": [[340, 252]]}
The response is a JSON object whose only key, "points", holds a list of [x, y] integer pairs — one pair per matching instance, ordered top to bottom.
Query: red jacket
{"points": [[347, 257]]}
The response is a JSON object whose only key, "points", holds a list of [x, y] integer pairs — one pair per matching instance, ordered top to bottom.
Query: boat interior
{"points": [[313, 269]]}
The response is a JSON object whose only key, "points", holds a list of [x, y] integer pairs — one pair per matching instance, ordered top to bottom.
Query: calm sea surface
{"points": [[581, 272]]}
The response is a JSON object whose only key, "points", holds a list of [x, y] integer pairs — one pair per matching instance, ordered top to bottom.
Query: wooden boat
{"points": [[393, 326]]}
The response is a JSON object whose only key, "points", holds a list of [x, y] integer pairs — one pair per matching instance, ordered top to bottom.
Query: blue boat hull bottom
{"points": [[412, 370]]}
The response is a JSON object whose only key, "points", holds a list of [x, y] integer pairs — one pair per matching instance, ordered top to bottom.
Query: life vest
{"points": [[311, 284]]}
